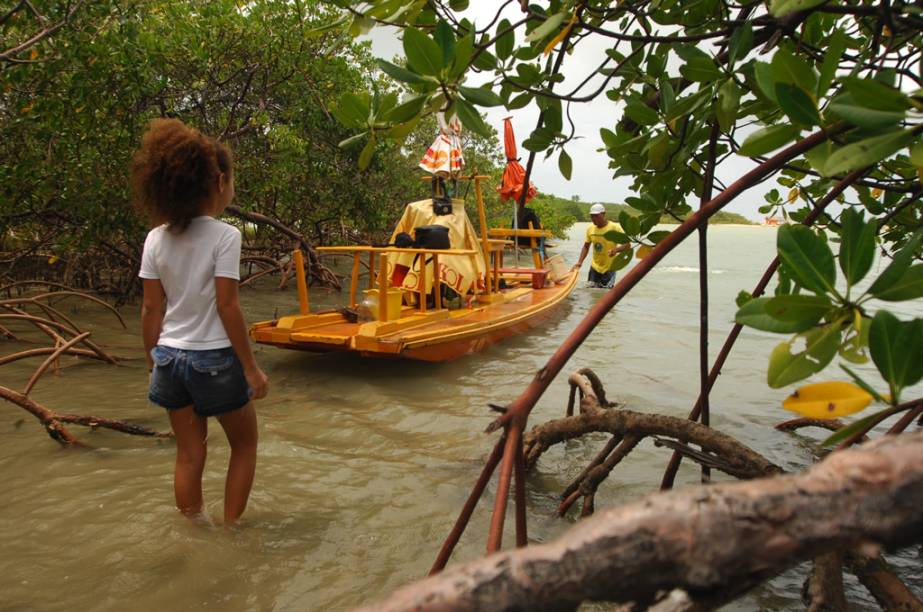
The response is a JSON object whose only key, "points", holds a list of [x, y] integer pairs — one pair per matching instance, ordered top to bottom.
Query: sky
{"points": [[591, 178]]}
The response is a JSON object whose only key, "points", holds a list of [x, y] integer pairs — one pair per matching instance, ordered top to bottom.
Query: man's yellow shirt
{"points": [[602, 261]]}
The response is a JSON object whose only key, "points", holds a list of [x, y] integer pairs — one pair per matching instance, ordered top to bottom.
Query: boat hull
{"points": [[434, 336]]}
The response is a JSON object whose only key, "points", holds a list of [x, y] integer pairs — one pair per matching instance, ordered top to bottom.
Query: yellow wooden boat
{"points": [[413, 321]]}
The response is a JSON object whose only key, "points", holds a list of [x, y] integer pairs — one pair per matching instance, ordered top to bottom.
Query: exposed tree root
{"points": [[65, 336], [54, 422], [719, 450], [705, 541], [877, 576], [823, 589]]}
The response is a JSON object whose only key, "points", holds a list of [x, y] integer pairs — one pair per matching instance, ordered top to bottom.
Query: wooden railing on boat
{"points": [[384, 278]]}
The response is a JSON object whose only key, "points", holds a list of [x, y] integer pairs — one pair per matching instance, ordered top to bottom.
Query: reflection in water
{"points": [[363, 465]]}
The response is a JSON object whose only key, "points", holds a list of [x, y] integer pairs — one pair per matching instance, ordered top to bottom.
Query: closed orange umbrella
{"points": [[514, 174]]}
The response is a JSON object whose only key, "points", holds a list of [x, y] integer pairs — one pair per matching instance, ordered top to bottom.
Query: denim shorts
{"points": [[212, 381]]}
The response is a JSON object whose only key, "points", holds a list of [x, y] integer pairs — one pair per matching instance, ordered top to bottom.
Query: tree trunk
{"points": [[705, 540]]}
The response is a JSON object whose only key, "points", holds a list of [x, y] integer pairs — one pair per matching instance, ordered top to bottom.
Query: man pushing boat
{"points": [[601, 272]]}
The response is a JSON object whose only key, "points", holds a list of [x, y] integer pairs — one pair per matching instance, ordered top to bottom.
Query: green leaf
{"points": [[458, 5], [781, 8], [550, 25], [445, 38], [505, 41], [741, 42], [464, 49], [423, 54], [832, 59], [485, 60], [701, 69], [794, 70], [400, 73], [765, 80], [875, 95], [480, 96], [520, 101], [728, 103], [688, 104], [799, 107], [352, 110], [406, 110], [641, 113], [471, 118], [868, 118], [609, 138], [768, 139], [539, 140], [348, 142], [658, 151], [866, 152], [916, 154], [818, 155], [365, 157], [565, 165], [645, 203], [658, 236], [616, 237], [857, 248], [807, 258], [621, 259], [899, 265], [908, 287], [801, 310], [753, 314], [854, 346], [897, 350], [786, 367], [859, 381], [856, 426]]}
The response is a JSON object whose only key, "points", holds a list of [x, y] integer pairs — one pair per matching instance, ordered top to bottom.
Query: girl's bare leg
{"points": [[240, 428], [191, 431]]}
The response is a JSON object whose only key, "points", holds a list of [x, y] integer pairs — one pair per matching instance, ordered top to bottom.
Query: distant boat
{"points": [[773, 221], [414, 321]]}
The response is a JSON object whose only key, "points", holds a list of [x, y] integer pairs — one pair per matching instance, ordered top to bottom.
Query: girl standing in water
{"points": [[199, 355]]}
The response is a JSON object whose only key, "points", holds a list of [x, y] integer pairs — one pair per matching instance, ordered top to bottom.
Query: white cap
{"points": [[596, 209]]}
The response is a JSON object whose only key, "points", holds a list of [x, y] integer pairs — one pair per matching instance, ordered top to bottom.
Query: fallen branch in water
{"points": [[54, 422], [718, 450], [712, 542]]}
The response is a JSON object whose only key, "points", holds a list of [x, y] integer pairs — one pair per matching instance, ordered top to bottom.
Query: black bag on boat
{"points": [[431, 237], [403, 240]]}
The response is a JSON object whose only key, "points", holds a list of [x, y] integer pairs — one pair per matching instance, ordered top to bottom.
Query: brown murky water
{"points": [[363, 465]]}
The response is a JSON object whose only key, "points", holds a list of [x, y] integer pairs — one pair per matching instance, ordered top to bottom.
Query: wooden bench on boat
{"points": [[536, 276]]}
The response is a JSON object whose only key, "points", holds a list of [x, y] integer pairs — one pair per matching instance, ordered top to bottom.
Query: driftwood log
{"points": [[711, 543]]}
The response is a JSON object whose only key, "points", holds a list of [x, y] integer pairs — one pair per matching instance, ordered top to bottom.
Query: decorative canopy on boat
{"points": [[444, 157], [513, 174]]}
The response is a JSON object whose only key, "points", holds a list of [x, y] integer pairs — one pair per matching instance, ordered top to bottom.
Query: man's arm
{"points": [[618, 249], [583, 254], [226, 301], [151, 317]]}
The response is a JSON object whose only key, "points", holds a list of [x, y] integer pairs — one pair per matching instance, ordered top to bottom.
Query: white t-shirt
{"points": [[187, 265]]}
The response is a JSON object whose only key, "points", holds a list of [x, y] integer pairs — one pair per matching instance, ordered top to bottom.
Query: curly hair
{"points": [[174, 172]]}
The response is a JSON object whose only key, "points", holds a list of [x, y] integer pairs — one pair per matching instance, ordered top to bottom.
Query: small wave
{"points": [[688, 269]]}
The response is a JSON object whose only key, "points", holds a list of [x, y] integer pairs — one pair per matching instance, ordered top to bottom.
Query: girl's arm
{"points": [[151, 316], [232, 318]]}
